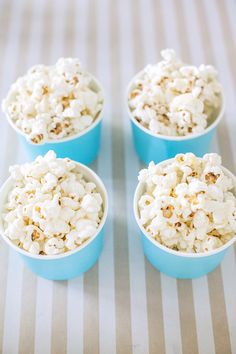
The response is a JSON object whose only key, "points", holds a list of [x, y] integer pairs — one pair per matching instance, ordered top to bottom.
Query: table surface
{"points": [[122, 305]]}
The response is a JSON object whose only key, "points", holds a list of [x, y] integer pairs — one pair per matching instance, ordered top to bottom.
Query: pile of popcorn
{"points": [[171, 98], [53, 102], [188, 204], [51, 208]]}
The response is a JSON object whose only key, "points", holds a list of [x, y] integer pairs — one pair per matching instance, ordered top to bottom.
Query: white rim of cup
{"points": [[169, 137], [69, 138], [100, 185], [165, 248]]}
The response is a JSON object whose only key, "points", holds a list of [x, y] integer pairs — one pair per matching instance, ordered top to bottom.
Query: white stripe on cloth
{"points": [[219, 49], [9, 67], [136, 258], [15, 265], [169, 286], [75, 291], [43, 317], [43, 324], [107, 330]]}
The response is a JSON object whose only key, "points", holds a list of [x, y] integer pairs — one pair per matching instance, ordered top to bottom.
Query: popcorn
{"points": [[171, 98], [53, 102], [91, 204], [188, 204], [51, 208], [54, 246]]}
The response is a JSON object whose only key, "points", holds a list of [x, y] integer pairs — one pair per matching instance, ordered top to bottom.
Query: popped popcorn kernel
{"points": [[175, 99], [53, 102], [188, 204], [51, 208]]}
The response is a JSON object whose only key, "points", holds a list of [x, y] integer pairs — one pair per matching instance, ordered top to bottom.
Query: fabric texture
{"points": [[122, 305]]}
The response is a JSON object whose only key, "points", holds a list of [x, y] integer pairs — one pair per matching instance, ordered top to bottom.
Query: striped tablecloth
{"points": [[122, 305]]}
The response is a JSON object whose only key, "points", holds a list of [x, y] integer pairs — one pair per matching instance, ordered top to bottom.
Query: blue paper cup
{"points": [[82, 147], [157, 147], [174, 263], [70, 264]]}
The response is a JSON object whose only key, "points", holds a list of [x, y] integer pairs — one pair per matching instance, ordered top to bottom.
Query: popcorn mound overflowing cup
{"points": [[58, 108], [174, 108], [186, 210], [52, 213]]}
